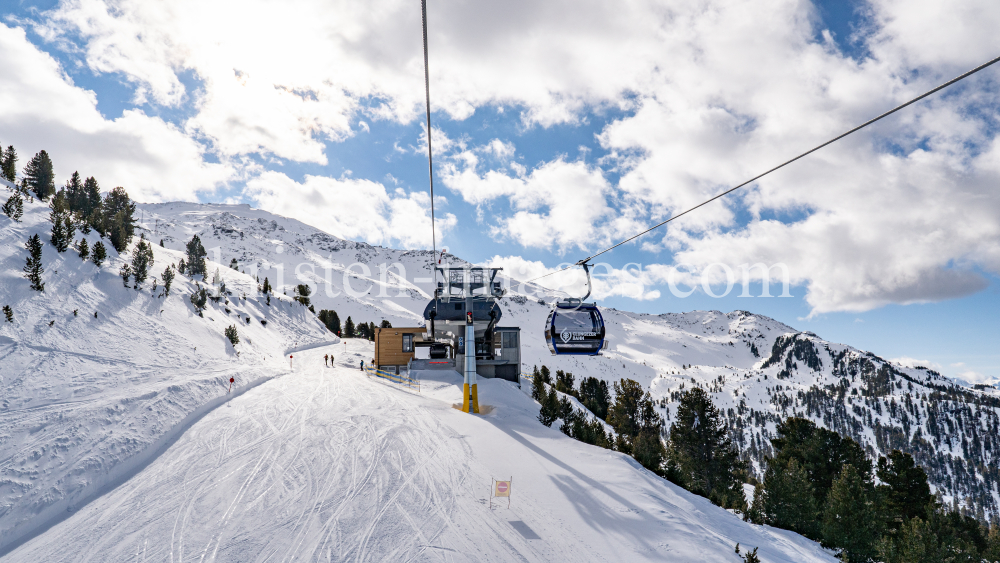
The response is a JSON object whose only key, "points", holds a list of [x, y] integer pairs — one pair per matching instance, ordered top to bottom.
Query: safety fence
{"points": [[395, 378]]}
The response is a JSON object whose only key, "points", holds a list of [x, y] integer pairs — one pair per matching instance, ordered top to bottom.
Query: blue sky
{"points": [[526, 123]]}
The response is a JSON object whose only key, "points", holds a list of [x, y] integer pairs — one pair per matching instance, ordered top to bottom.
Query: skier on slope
{"points": [[325, 357], [362, 365]]}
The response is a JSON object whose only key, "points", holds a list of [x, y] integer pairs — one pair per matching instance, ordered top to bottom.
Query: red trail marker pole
{"points": [[230, 385]]}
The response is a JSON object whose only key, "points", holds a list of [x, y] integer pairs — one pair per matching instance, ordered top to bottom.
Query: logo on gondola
{"points": [[566, 335]]}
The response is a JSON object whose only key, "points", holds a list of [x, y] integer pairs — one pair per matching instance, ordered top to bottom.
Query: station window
{"points": [[510, 340], [407, 342]]}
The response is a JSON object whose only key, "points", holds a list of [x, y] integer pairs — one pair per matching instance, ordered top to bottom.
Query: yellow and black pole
{"points": [[470, 399]]}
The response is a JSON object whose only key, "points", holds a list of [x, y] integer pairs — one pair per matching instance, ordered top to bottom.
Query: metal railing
{"points": [[393, 378]]}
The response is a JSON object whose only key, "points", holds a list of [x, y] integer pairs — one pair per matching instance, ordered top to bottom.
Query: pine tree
{"points": [[8, 165], [39, 176], [75, 196], [91, 206], [14, 208], [118, 214], [61, 235], [161, 244], [84, 249], [99, 254], [196, 257], [142, 261], [181, 265], [234, 265], [33, 269], [125, 272], [168, 279], [267, 286], [302, 292], [199, 299], [9, 313], [331, 320], [385, 324], [349, 328], [232, 335], [546, 375], [565, 382], [537, 386], [595, 396], [550, 408], [821, 452], [703, 453], [906, 493], [785, 499], [850, 518], [916, 542]]}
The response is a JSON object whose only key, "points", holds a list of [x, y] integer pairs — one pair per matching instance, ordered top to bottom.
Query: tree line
{"points": [[817, 483]]}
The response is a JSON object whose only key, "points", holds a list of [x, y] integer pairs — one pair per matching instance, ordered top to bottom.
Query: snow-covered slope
{"points": [[725, 352], [95, 378], [86, 401], [328, 465]]}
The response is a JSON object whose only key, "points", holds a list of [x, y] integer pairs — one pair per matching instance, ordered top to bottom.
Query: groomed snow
{"points": [[325, 464]]}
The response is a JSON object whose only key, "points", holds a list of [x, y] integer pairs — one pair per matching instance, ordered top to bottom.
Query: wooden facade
{"points": [[390, 345]]}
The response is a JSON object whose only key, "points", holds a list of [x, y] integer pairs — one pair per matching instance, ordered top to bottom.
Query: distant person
{"points": [[325, 358], [362, 365]]}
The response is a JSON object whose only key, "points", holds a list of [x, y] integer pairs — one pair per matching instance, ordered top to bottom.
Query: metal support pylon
{"points": [[470, 397]]}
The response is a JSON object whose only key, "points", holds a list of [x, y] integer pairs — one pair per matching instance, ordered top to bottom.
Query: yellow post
{"points": [[465, 397], [475, 399]]}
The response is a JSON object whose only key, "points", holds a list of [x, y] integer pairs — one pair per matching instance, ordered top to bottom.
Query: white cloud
{"points": [[715, 93], [43, 109], [349, 208], [606, 281]]}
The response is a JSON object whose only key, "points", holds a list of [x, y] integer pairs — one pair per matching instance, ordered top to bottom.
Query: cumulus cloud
{"points": [[713, 93], [43, 109], [351, 208], [632, 281]]}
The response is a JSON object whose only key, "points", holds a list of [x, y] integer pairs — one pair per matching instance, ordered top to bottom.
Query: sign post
{"points": [[230, 385], [500, 489]]}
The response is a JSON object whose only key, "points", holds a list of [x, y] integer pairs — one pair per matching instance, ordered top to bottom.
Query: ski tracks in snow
{"points": [[319, 465]]}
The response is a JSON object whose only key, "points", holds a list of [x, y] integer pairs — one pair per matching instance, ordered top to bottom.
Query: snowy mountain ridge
{"points": [[148, 364], [760, 370]]}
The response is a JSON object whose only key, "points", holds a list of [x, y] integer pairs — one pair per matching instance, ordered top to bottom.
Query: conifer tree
{"points": [[8, 165], [39, 176], [75, 196], [91, 206], [14, 208], [118, 218], [62, 228], [161, 244], [84, 249], [99, 254], [196, 257], [142, 261], [181, 265], [234, 265], [33, 269], [125, 272], [168, 279], [267, 287], [302, 292], [199, 299], [8, 313], [331, 320], [385, 324], [349, 328], [232, 335], [546, 375], [565, 382], [537, 386], [595, 396], [550, 408], [631, 414], [702, 452], [821, 452], [905, 493], [785, 499], [850, 518], [916, 542]]}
